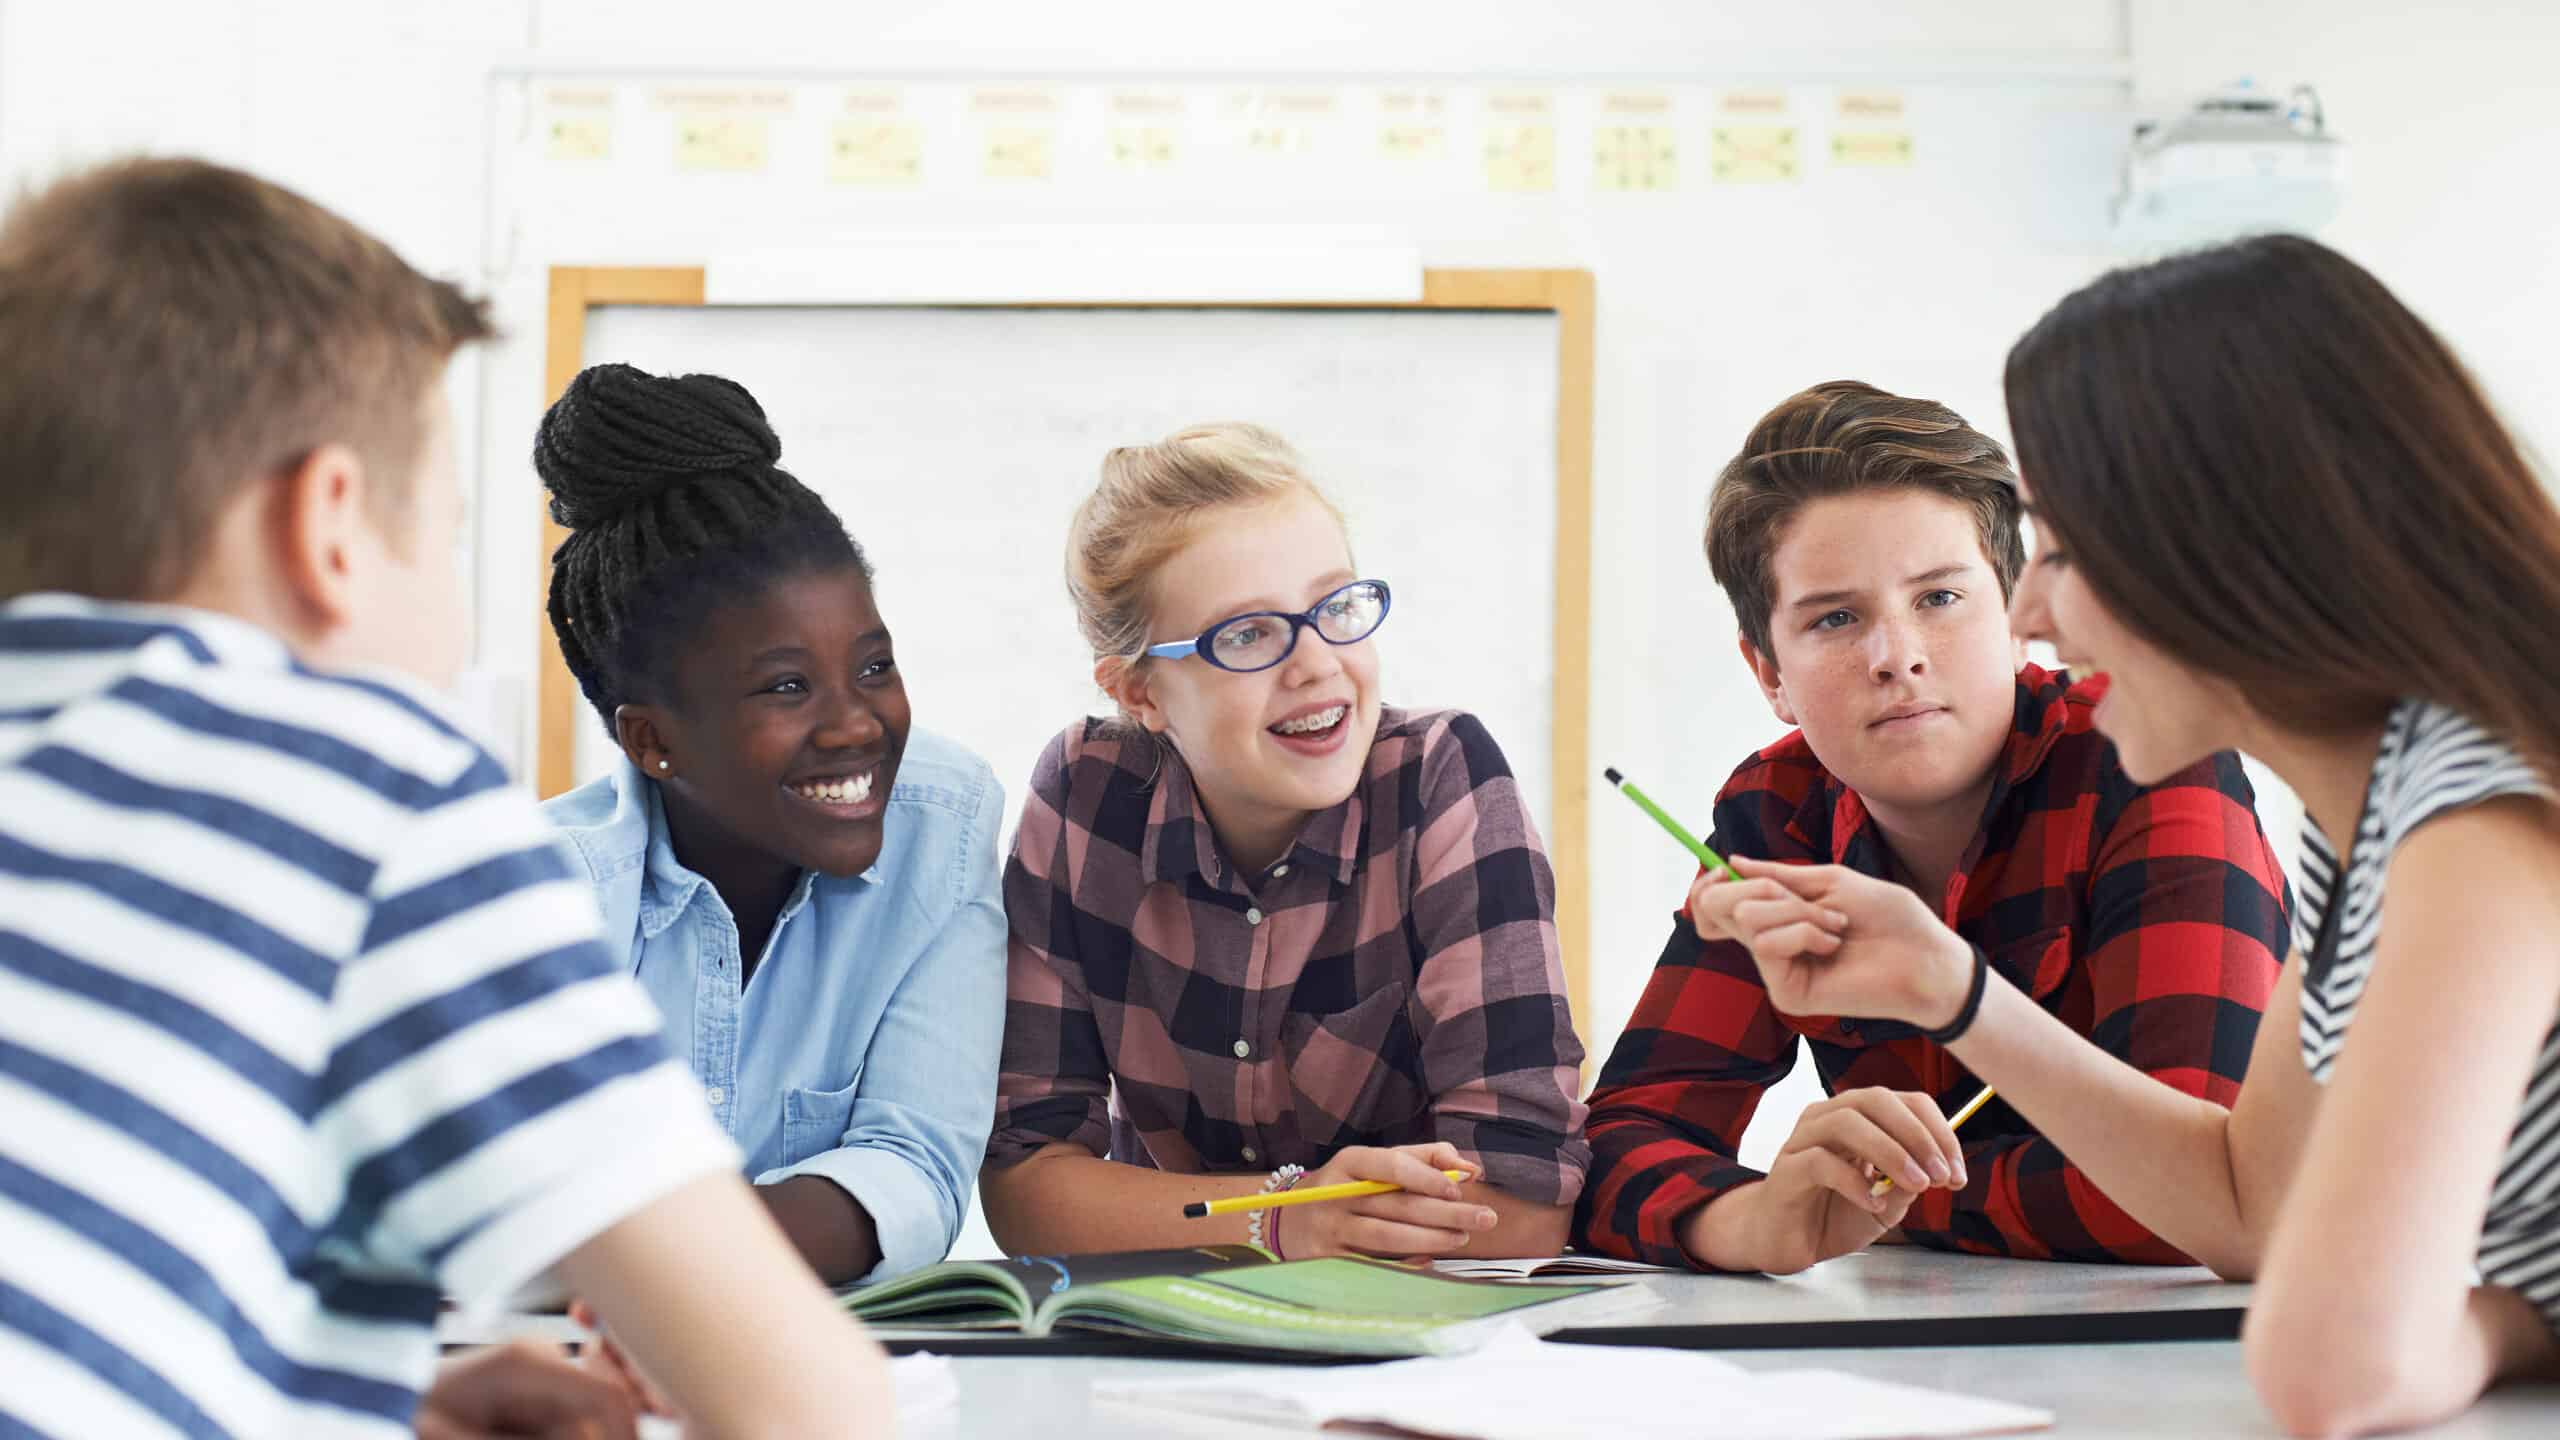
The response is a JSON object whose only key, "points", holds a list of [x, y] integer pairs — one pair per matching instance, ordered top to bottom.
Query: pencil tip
{"points": [[1613, 776]]}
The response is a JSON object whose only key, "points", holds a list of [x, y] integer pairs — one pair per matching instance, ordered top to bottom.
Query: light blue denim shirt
{"points": [[865, 1049]]}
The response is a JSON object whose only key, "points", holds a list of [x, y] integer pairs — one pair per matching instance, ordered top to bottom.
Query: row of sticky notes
{"points": [[1636, 148]]}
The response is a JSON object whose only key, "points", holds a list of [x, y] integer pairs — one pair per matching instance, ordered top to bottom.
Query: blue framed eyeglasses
{"points": [[1264, 638]]}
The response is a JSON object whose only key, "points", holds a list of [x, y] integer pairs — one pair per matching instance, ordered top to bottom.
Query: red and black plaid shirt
{"points": [[2149, 919]]}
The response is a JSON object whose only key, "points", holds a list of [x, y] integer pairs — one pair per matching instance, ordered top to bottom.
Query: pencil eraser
{"points": [[1614, 777], [1199, 1211]]}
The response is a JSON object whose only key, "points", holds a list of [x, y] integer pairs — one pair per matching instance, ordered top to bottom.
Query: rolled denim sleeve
{"points": [[926, 1100]]}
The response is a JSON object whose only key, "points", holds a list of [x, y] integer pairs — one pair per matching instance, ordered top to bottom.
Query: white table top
{"points": [[2098, 1390], [2104, 1392]]}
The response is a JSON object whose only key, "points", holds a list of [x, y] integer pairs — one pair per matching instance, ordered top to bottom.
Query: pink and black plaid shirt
{"points": [[1392, 979]]}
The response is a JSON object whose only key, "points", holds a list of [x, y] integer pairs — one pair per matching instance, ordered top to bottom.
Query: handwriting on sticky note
{"points": [[1413, 125], [581, 137], [710, 140], [1413, 142], [1144, 148], [1871, 149], [1018, 152], [885, 153], [1754, 154], [1635, 157]]}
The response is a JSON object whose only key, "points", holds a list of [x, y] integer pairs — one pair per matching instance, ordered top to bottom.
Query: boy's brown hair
{"points": [[170, 332], [1844, 438]]}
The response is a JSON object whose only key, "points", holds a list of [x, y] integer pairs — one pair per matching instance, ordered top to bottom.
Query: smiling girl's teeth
{"points": [[1310, 724], [837, 792]]}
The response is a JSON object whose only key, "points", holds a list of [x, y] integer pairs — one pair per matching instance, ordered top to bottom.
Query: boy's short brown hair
{"points": [[171, 330], [1843, 438]]}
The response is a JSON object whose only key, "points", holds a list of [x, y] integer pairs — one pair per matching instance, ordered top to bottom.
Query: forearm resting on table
{"points": [[1065, 1200], [826, 1225], [701, 1291], [2323, 1374]]}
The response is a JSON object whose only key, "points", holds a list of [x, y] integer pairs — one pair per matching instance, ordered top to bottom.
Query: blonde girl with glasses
{"points": [[1266, 927]]}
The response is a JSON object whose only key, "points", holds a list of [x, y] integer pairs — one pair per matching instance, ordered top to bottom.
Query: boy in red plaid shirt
{"points": [[1869, 543]]}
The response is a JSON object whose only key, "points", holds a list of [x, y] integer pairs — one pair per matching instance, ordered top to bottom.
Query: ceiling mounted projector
{"points": [[2239, 162]]}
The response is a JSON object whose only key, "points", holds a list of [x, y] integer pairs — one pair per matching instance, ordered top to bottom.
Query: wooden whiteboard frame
{"points": [[1567, 294]]}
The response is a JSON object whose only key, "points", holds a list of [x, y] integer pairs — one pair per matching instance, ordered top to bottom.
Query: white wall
{"points": [[2450, 112], [1713, 303]]}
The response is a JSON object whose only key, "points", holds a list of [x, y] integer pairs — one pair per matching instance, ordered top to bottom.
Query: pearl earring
{"points": [[662, 765]]}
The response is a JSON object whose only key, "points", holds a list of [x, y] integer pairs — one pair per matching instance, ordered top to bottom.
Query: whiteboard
{"points": [[956, 442]]}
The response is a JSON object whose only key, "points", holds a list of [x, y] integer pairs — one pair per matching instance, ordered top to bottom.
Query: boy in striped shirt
{"points": [[303, 1022]]}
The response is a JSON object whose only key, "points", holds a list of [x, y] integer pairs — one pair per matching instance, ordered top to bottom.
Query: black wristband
{"points": [[1953, 1030]]}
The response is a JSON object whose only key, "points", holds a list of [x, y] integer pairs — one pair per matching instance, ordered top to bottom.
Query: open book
{"points": [[1540, 1267], [1229, 1295]]}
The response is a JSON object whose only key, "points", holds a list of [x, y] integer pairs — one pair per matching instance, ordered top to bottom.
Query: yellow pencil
{"points": [[1961, 1116], [1348, 1190]]}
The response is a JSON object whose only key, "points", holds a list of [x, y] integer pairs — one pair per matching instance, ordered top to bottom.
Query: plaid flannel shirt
{"points": [[2150, 919], [1392, 979]]}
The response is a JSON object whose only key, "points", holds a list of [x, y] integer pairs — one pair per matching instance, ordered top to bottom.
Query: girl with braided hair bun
{"points": [[805, 883]]}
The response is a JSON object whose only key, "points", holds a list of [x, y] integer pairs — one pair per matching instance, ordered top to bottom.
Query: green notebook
{"points": [[1227, 1295]]}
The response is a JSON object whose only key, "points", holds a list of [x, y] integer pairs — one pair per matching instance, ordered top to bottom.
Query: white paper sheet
{"points": [[1521, 1388]]}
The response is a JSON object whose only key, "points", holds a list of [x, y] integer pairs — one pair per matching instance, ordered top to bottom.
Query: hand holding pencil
{"points": [[1828, 940], [1832, 1187], [1407, 1202]]}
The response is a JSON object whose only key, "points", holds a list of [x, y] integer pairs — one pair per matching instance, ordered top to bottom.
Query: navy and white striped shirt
{"points": [[2432, 762], [303, 1021]]}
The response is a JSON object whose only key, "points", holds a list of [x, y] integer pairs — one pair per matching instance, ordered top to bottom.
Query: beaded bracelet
{"points": [[1280, 1179]]}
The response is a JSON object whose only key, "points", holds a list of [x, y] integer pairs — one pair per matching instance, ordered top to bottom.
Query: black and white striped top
{"points": [[2433, 761], [304, 1021]]}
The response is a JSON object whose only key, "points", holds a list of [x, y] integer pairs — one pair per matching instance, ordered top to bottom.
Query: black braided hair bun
{"points": [[621, 436]]}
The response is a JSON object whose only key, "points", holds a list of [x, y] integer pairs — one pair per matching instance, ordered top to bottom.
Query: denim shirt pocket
{"points": [[814, 1121]]}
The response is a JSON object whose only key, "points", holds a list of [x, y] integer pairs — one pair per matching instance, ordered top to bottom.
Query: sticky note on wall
{"points": [[578, 124], [1413, 125], [723, 130], [1145, 130], [1869, 131], [1017, 132], [713, 140], [1520, 142], [1634, 147], [1871, 149], [1018, 152], [884, 153], [1754, 154]]}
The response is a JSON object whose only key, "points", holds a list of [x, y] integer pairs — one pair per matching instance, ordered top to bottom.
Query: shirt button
{"points": [[1279, 870], [1252, 915], [1243, 1050], [715, 1095], [1249, 1156]]}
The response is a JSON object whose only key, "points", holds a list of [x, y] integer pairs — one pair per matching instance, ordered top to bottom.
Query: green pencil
{"points": [[1687, 841]]}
